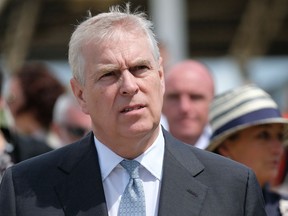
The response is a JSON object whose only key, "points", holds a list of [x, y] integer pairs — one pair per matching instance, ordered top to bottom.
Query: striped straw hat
{"points": [[240, 108]]}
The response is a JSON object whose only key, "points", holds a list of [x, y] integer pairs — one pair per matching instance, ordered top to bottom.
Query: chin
{"points": [[137, 128]]}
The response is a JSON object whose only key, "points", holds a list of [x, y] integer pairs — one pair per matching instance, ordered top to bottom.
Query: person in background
{"points": [[118, 80], [32, 92], [189, 92], [69, 122], [248, 128], [16, 147], [5, 159], [280, 183]]}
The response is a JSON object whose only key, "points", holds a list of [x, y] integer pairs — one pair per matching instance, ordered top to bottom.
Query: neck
{"points": [[131, 147]]}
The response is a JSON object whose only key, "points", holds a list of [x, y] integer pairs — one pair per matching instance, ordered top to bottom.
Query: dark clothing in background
{"points": [[21, 147], [272, 202]]}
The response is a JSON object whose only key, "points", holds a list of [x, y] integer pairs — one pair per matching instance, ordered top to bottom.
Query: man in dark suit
{"points": [[118, 80]]}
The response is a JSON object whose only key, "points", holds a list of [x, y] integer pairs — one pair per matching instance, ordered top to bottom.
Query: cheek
{"points": [[100, 100], [88, 101], [202, 105], [166, 108], [205, 114], [237, 150], [249, 156]]}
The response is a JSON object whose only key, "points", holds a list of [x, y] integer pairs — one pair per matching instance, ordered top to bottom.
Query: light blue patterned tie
{"points": [[133, 199]]}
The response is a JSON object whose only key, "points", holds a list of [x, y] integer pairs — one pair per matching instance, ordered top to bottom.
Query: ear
{"points": [[161, 74], [78, 91], [55, 128]]}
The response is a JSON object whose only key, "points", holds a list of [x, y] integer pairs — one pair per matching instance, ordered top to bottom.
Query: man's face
{"points": [[123, 89], [15, 98], [186, 104]]}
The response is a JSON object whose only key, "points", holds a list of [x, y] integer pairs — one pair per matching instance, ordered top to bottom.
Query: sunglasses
{"points": [[76, 131]]}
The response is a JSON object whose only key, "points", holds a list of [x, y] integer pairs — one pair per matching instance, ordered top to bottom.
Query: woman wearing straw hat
{"points": [[248, 128]]}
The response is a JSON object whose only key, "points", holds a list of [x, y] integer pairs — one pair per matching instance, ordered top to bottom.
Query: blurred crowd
{"points": [[38, 114]]}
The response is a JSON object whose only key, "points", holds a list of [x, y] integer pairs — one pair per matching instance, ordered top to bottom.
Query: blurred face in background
{"points": [[189, 92], [32, 93], [15, 98], [76, 125], [258, 147]]}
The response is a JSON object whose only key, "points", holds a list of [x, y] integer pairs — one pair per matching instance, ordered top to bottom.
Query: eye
{"points": [[138, 69], [108, 75], [173, 97], [196, 97], [264, 135]]}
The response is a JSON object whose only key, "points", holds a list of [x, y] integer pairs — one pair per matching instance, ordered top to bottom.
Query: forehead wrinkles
{"points": [[125, 55], [115, 58]]}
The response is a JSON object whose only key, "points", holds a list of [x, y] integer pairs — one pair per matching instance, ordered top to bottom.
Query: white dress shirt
{"points": [[204, 139], [115, 177]]}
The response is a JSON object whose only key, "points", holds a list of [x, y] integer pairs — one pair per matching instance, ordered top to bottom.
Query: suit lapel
{"points": [[80, 188], [181, 194]]}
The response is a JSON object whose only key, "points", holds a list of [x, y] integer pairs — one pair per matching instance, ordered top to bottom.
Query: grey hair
{"points": [[103, 27], [61, 106]]}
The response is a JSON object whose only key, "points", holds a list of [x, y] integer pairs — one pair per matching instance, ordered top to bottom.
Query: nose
{"points": [[128, 84], [184, 103]]}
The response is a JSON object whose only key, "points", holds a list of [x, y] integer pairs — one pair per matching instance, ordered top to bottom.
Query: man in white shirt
{"points": [[118, 80]]}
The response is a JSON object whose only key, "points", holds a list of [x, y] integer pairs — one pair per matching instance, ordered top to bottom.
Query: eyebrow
{"points": [[141, 61], [112, 67], [102, 68]]}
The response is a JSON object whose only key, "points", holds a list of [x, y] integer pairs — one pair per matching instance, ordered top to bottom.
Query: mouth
{"points": [[131, 108]]}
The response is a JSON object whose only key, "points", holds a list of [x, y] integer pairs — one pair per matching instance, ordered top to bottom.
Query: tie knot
{"points": [[132, 167]]}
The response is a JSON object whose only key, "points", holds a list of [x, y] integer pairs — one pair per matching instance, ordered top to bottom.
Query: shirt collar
{"points": [[151, 159]]}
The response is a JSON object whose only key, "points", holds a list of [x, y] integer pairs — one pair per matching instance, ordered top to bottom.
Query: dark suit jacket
{"points": [[68, 182]]}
